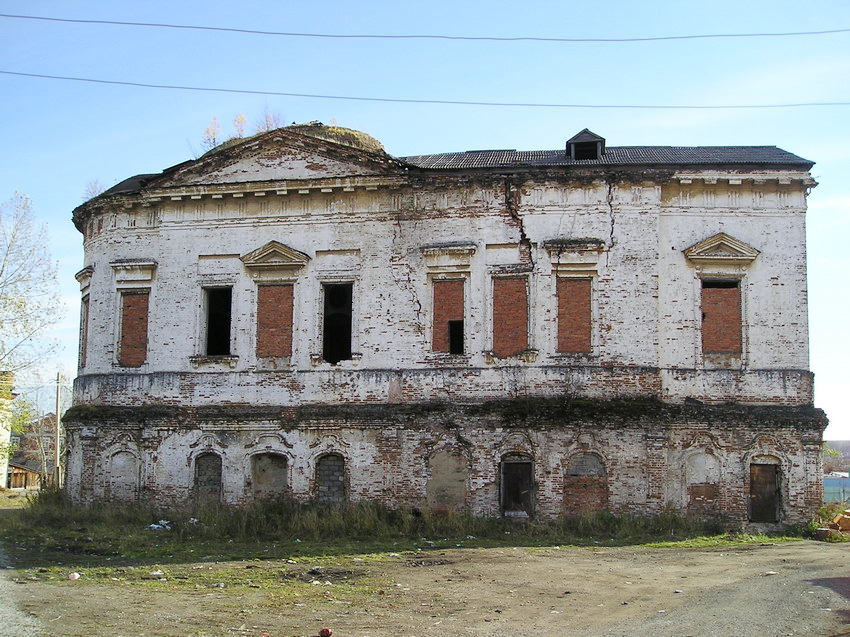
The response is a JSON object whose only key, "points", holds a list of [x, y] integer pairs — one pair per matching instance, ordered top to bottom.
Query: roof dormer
{"points": [[585, 145]]}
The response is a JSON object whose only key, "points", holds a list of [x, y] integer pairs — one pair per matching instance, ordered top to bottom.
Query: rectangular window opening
{"points": [[719, 284], [219, 302], [84, 330], [336, 335], [455, 337]]}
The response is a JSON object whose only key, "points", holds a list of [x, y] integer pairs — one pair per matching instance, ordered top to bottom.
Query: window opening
{"points": [[585, 150], [719, 284], [510, 316], [721, 316], [218, 321], [84, 330], [336, 336], [455, 337], [133, 347]]}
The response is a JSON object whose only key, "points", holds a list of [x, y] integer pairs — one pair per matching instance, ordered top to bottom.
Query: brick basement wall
{"points": [[409, 455]]}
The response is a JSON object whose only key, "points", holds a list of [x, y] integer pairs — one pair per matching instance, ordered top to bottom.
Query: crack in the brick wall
{"points": [[609, 198], [512, 199]]}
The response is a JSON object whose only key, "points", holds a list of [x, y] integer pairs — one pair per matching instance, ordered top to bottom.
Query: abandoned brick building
{"points": [[519, 333]]}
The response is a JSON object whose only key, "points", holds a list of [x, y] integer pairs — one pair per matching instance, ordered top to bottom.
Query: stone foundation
{"points": [[626, 456]]}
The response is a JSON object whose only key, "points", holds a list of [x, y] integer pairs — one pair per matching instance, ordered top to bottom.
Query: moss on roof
{"points": [[339, 135]]}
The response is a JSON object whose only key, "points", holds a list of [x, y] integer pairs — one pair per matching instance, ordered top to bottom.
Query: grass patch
{"points": [[10, 499], [53, 533]]}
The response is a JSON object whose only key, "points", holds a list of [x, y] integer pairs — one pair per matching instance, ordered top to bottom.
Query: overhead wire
{"points": [[422, 36], [399, 100]]}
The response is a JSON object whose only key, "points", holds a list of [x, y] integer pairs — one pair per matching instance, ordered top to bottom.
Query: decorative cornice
{"points": [[84, 277]]}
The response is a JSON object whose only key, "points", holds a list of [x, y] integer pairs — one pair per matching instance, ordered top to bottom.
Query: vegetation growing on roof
{"points": [[339, 135]]}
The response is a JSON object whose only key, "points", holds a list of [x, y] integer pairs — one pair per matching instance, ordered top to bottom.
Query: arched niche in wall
{"points": [[448, 472], [269, 475], [585, 484]]}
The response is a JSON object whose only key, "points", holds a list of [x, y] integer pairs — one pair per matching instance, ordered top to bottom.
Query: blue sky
{"points": [[58, 135]]}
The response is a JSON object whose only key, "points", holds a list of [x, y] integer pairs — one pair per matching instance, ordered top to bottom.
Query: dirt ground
{"points": [[793, 588]]}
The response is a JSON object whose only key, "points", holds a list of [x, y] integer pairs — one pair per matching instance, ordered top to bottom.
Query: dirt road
{"points": [[795, 588]]}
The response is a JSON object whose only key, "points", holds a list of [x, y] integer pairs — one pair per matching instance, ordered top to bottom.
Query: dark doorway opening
{"points": [[218, 321], [336, 335], [455, 337], [517, 487], [764, 493]]}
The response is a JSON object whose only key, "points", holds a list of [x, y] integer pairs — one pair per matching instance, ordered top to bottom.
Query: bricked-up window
{"points": [[573, 315], [510, 316], [721, 316], [448, 317], [274, 320], [218, 321], [84, 329], [336, 335], [133, 349], [208, 477], [330, 478], [585, 485]]}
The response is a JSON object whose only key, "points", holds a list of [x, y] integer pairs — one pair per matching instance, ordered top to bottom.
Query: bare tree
{"points": [[269, 120], [239, 125], [212, 135], [93, 189], [29, 303]]}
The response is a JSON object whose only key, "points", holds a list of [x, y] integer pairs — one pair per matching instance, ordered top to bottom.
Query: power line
{"points": [[377, 36], [398, 100]]}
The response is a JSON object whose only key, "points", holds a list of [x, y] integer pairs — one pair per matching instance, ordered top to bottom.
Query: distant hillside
{"points": [[840, 445]]}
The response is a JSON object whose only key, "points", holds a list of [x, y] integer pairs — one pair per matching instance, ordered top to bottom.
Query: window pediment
{"points": [[721, 249], [274, 257], [574, 257], [133, 270]]}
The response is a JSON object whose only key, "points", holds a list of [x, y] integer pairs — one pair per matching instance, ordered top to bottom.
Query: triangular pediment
{"points": [[291, 153], [719, 249], [275, 256]]}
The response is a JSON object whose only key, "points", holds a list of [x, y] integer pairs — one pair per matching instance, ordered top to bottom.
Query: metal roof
{"points": [[614, 156]]}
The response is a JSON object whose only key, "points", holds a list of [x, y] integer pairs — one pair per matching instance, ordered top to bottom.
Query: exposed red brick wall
{"points": [[448, 306], [573, 315], [510, 316], [274, 320], [721, 320], [134, 328], [84, 330], [585, 494], [703, 497]]}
